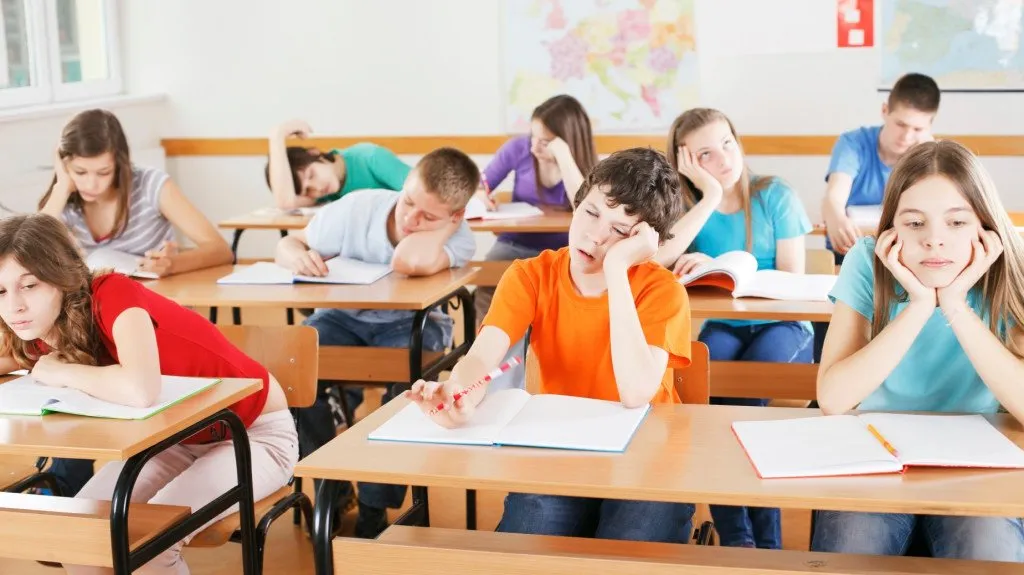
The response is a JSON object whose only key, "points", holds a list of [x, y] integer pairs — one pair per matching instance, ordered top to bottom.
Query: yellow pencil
{"points": [[885, 443]]}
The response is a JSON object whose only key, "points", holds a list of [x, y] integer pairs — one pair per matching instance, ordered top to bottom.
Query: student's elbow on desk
{"points": [[413, 264]]}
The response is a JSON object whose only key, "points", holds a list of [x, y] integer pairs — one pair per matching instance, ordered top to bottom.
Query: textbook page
{"points": [[476, 209], [864, 216], [121, 262], [736, 264], [349, 271], [775, 284], [23, 396], [27, 397], [493, 413], [566, 422], [946, 440], [813, 447]]}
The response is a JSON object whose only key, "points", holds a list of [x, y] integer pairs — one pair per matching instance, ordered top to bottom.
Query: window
{"points": [[57, 50]]}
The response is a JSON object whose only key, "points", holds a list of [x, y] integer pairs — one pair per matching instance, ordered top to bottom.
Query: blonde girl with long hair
{"points": [[731, 209], [928, 318]]}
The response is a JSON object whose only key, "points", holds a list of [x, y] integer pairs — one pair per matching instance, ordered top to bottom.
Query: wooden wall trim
{"points": [[606, 144]]}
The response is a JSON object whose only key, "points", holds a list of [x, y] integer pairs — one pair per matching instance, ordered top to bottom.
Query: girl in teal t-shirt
{"points": [[302, 177], [730, 209], [927, 318]]}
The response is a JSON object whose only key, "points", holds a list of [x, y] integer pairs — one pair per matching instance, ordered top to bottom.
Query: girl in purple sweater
{"points": [[549, 165]]}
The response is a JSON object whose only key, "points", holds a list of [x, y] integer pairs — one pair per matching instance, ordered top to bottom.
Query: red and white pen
{"points": [[491, 376]]}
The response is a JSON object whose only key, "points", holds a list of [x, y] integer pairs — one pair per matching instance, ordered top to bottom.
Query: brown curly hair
{"points": [[43, 245]]}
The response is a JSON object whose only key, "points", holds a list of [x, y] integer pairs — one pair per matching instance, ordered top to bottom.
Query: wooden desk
{"points": [[265, 219], [554, 220], [394, 292], [713, 303], [135, 443], [680, 454]]}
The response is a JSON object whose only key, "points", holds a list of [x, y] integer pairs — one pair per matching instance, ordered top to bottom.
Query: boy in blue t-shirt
{"points": [[863, 158]]}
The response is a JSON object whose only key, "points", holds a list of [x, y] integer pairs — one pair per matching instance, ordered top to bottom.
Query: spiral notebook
{"points": [[513, 417], [872, 443]]}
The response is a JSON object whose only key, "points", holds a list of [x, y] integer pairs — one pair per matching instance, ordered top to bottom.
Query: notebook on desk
{"points": [[476, 210], [121, 262], [340, 271], [737, 272], [24, 396], [513, 417], [872, 443]]}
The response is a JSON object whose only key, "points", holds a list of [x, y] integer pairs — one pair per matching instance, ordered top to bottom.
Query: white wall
{"points": [[233, 68]]}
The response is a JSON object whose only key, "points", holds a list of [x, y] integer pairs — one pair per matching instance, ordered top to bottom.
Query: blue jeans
{"points": [[504, 251], [337, 328], [777, 342], [71, 474], [597, 518], [978, 538]]}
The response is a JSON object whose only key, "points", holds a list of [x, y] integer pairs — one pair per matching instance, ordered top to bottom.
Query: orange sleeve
{"points": [[514, 303], [664, 312]]}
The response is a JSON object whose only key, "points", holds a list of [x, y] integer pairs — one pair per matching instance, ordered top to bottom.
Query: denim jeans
{"points": [[504, 251], [778, 342], [316, 424], [71, 474], [597, 518], [978, 538]]}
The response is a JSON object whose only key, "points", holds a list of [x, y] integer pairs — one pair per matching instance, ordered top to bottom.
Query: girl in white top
{"points": [[107, 202]]}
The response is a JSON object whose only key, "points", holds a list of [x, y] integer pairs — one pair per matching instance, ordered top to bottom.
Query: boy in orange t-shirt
{"points": [[607, 323]]}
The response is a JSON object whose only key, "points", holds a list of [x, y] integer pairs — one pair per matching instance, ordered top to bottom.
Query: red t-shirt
{"points": [[189, 345]]}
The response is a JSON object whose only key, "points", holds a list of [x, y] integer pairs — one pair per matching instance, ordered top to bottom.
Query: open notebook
{"points": [[476, 209], [121, 262], [341, 271], [737, 272], [23, 396], [514, 417], [873, 443]]}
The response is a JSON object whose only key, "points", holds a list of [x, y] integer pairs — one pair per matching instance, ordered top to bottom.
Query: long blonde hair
{"points": [[691, 121], [43, 246], [1002, 286]]}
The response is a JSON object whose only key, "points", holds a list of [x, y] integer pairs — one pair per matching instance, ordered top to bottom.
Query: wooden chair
{"points": [[290, 354]]}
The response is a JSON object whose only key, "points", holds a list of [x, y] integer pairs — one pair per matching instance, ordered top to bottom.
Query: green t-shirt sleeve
{"points": [[388, 169]]}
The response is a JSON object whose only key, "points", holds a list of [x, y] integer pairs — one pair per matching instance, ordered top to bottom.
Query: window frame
{"points": [[44, 57]]}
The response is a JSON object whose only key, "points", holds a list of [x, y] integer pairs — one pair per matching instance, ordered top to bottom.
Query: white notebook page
{"points": [[564, 422], [411, 424], [946, 440], [813, 447]]}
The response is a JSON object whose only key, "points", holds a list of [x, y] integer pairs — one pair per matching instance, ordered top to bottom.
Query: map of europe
{"points": [[963, 44], [632, 63]]}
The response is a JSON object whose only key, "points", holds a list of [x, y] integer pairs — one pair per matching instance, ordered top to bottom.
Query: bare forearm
{"points": [[572, 177], [281, 183], [56, 203], [686, 229], [287, 248], [422, 253], [203, 256], [1001, 371], [636, 374], [847, 382], [113, 383]]}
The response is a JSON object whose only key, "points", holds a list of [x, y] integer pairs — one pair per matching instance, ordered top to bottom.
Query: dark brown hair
{"points": [[915, 91], [565, 117], [691, 121], [94, 133], [300, 158], [450, 174], [641, 181], [43, 246]]}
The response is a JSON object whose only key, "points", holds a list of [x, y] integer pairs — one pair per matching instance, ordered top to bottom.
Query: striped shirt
{"points": [[147, 228]]}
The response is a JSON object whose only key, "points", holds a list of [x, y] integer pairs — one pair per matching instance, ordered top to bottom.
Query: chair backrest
{"points": [[820, 262], [289, 352], [693, 382]]}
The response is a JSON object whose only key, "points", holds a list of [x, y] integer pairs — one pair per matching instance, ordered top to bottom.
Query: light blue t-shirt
{"points": [[856, 154], [776, 214], [356, 226], [935, 374]]}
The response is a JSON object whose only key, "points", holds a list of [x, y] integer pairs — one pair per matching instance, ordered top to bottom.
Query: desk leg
{"points": [[234, 242], [323, 525], [126, 561]]}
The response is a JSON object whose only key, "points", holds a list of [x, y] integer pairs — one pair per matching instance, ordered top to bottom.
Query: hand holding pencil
{"points": [[446, 402]]}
